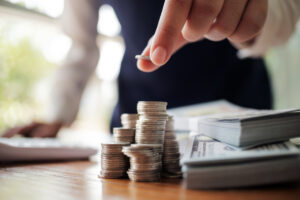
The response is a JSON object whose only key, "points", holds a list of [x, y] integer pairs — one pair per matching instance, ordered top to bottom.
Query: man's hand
{"points": [[184, 21], [35, 129]]}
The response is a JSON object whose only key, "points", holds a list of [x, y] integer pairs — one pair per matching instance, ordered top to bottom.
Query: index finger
{"points": [[168, 31], [148, 66], [22, 130], [11, 132]]}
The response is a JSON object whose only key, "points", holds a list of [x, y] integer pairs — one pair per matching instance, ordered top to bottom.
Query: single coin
{"points": [[142, 57]]}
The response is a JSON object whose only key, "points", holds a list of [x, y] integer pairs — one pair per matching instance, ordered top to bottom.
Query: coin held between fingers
{"points": [[142, 57]]}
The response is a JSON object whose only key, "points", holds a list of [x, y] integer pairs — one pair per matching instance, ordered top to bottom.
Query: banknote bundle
{"points": [[250, 128], [114, 163], [210, 164]]}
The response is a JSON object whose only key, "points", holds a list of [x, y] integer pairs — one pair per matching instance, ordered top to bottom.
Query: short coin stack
{"points": [[129, 120], [150, 127], [124, 135], [171, 155], [145, 161], [114, 163]]}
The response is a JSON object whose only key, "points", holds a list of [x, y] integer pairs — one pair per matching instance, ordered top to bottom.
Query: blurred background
{"points": [[32, 47]]}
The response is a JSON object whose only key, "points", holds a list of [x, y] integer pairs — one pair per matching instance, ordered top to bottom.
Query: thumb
{"points": [[149, 66]]}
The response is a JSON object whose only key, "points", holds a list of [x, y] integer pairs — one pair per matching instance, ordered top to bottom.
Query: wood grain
{"points": [[78, 180]]}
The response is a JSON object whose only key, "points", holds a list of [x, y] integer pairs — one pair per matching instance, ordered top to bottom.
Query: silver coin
{"points": [[142, 57]]}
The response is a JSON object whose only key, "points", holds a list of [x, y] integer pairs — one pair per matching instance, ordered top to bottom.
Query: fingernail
{"points": [[214, 35], [159, 55]]}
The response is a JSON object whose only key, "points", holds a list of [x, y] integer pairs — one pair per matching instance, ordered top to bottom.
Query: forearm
{"points": [[79, 22], [281, 22], [70, 82]]}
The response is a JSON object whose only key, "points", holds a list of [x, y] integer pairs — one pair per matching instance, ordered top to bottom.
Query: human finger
{"points": [[201, 17], [172, 20], [227, 20], [252, 21], [148, 66], [21, 130], [45, 130], [11, 132]]}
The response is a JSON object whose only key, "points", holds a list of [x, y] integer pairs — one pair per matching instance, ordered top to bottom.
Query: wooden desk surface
{"points": [[78, 180]]}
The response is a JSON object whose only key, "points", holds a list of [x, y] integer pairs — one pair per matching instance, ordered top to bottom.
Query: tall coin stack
{"points": [[129, 120], [150, 127], [124, 135], [171, 155], [145, 161], [114, 163]]}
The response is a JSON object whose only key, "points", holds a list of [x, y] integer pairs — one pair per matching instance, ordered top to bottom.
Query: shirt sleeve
{"points": [[79, 22], [281, 22]]}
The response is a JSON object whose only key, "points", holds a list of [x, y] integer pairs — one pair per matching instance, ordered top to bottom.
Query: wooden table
{"points": [[78, 180]]}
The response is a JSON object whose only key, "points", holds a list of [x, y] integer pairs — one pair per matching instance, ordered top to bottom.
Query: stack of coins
{"points": [[129, 120], [150, 127], [124, 135], [156, 151], [171, 155], [145, 161], [114, 163]]}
